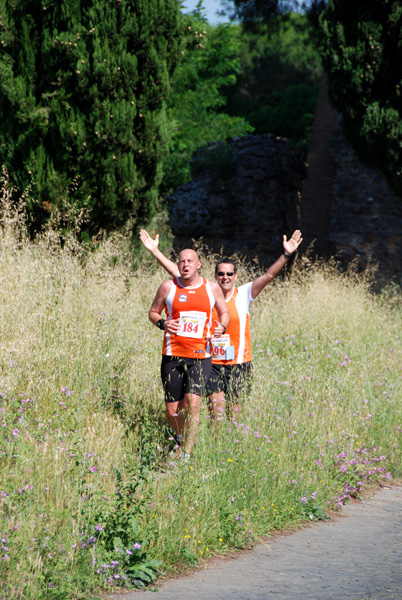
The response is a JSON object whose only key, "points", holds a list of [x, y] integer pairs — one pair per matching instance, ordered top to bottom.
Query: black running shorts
{"points": [[184, 376], [233, 380]]}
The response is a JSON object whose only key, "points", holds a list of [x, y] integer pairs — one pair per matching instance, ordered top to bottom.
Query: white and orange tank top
{"points": [[193, 306], [238, 330]]}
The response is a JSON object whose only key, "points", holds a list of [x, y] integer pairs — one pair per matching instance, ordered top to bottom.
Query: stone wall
{"points": [[245, 195], [243, 200], [366, 214]]}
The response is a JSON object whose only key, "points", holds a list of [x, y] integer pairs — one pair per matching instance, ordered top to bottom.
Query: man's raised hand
{"points": [[148, 242], [293, 243]]}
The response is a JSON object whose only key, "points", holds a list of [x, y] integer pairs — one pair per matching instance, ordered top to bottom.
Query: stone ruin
{"points": [[247, 193], [244, 195]]}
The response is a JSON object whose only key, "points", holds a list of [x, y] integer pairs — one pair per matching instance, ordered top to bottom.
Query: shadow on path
{"points": [[357, 556]]}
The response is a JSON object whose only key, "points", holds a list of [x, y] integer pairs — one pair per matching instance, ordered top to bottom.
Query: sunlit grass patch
{"points": [[88, 498]]}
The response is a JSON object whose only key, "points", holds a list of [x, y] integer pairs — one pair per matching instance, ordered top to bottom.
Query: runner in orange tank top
{"points": [[188, 301], [194, 309], [231, 364]]}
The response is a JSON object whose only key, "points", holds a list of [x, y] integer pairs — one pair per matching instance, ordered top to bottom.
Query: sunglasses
{"points": [[222, 274]]}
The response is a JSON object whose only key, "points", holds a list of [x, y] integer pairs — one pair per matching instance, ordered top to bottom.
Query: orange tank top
{"points": [[193, 306], [238, 330]]}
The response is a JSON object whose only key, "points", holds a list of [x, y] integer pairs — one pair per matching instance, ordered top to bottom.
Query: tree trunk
{"points": [[316, 197]]}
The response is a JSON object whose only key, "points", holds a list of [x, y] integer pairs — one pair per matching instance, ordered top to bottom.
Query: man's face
{"points": [[189, 264], [225, 276]]}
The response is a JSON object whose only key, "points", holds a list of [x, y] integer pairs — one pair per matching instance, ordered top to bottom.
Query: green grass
{"points": [[88, 500]]}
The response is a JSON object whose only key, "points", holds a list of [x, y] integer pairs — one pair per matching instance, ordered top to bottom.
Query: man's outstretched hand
{"points": [[148, 242], [293, 243]]}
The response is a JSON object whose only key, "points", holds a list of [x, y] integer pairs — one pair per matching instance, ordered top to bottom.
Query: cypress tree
{"points": [[362, 54], [83, 85]]}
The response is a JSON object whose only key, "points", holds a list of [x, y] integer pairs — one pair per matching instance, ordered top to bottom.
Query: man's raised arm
{"points": [[152, 246], [289, 247]]}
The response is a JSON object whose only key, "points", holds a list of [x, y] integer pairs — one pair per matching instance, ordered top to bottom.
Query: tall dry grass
{"points": [[87, 497]]}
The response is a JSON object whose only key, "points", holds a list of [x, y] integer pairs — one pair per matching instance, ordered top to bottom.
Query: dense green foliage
{"points": [[254, 13], [362, 54], [83, 86], [277, 88], [106, 104], [197, 105]]}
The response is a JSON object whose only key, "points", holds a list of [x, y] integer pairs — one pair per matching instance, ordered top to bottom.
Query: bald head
{"points": [[188, 252], [189, 265]]}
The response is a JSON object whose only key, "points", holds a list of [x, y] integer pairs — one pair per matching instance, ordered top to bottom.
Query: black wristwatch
{"points": [[286, 255], [161, 324], [224, 329]]}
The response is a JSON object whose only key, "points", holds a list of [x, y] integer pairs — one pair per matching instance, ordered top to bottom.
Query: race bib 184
{"points": [[192, 324]]}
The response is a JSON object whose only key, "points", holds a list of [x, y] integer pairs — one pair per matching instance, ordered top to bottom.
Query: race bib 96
{"points": [[220, 345]]}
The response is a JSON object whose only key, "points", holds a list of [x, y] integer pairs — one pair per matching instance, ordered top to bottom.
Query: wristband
{"points": [[286, 255], [161, 324], [224, 328]]}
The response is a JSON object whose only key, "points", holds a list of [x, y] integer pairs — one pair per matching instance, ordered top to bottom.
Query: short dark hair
{"points": [[225, 261]]}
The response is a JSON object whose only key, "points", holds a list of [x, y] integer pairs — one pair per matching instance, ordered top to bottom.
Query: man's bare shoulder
{"points": [[214, 285], [165, 287], [216, 290]]}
